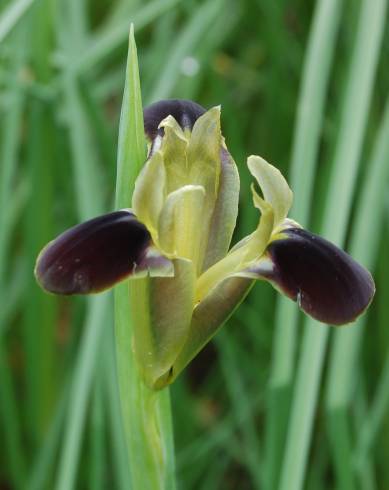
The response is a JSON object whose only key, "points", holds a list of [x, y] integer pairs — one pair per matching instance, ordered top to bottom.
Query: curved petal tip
{"points": [[94, 255], [328, 284]]}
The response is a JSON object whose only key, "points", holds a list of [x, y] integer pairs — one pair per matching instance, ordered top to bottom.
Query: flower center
{"points": [[176, 192]]}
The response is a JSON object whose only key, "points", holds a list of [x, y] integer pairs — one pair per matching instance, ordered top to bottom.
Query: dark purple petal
{"points": [[185, 112], [94, 255], [328, 284]]}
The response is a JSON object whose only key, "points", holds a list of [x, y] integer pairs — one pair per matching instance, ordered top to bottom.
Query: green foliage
{"points": [[267, 404]]}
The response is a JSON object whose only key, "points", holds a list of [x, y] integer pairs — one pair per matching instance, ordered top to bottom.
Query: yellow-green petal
{"points": [[174, 150], [204, 152], [204, 165], [273, 185], [149, 193], [225, 211], [180, 221], [256, 245], [249, 249], [163, 310], [210, 315]]}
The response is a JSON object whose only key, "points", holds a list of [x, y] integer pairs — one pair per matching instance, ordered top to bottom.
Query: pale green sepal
{"points": [[174, 150], [273, 185], [149, 193], [259, 203], [225, 212], [180, 220], [259, 240], [255, 242], [241, 243], [250, 249], [217, 273], [163, 310], [209, 315]]}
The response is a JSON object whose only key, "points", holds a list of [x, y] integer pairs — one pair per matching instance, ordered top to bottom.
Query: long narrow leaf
{"points": [[316, 72], [338, 204], [150, 445]]}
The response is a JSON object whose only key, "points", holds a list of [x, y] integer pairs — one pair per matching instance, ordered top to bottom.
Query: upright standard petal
{"points": [[173, 148], [204, 165], [225, 212], [95, 255], [327, 283]]}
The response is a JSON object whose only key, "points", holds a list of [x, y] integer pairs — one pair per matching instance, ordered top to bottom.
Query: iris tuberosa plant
{"points": [[178, 233], [174, 244]]}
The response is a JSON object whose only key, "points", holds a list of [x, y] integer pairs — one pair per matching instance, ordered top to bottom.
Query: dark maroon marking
{"points": [[185, 112], [94, 255], [329, 284]]}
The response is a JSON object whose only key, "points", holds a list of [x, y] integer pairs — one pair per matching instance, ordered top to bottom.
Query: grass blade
{"points": [[11, 15], [190, 35], [109, 40], [316, 72], [12, 120], [89, 204], [338, 204], [364, 247], [346, 346], [80, 390], [240, 403], [373, 420], [118, 441], [98, 456], [41, 469]]}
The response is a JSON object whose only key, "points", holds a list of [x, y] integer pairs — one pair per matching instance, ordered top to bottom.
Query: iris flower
{"points": [[175, 244]]}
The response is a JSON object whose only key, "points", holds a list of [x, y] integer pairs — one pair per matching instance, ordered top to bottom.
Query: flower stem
{"points": [[146, 413]]}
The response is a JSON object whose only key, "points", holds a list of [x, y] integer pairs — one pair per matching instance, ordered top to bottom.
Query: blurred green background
{"points": [[276, 401]]}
